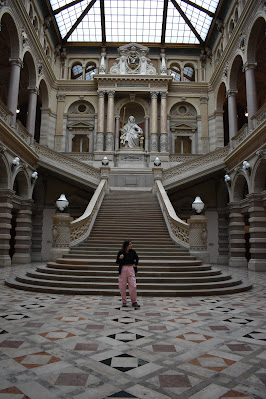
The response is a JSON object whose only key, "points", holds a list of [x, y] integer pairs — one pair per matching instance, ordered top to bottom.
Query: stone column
{"points": [[13, 89], [252, 104], [232, 113], [31, 116], [59, 121], [110, 122], [154, 122], [100, 124], [204, 124], [117, 131], [146, 132], [44, 133], [163, 136], [6, 206], [257, 230], [223, 232], [23, 234], [60, 235], [237, 236], [198, 237], [36, 240]]}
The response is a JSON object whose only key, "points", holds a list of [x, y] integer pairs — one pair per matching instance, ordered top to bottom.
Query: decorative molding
{"points": [[190, 166]]}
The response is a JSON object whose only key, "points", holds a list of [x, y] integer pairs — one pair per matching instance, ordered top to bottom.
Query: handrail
{"points": [[53, 158], [202, 161], [80, 228], [178, 230]]}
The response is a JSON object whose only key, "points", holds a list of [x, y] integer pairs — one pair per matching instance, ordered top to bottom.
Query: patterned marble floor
{"points": [[54, 346]]}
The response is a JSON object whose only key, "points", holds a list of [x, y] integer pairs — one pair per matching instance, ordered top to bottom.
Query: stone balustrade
{"points": [[259, 117], [55, 160], [212, 160], [80, 228], [179, 230]]}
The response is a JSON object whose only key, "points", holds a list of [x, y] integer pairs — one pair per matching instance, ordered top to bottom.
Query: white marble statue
{"points": [[131, 133]]}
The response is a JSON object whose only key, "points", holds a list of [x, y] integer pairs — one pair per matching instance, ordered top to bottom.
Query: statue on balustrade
{"points": [[131, 134]]}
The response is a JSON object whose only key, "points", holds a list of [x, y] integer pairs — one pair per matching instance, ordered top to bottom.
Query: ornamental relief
{"points": [[133, 60]]}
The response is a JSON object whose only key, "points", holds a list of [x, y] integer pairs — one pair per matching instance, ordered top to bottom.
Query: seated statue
{"points": [[131, 133]]}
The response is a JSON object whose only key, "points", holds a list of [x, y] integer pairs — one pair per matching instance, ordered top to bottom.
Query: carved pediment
{"points": [[80, 125], [183, 127]]}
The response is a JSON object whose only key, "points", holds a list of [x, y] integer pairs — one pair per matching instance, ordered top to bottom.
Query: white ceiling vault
{"points": [[140, 21]]}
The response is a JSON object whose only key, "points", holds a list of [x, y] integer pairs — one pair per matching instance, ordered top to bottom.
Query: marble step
{"points": [[141, 273], [140, 279], [14, 282]]}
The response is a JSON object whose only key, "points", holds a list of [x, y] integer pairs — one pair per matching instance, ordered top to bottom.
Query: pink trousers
{"points": [[127, 276]]}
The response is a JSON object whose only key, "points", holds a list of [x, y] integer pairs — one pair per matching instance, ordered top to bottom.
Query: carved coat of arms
{"points": [[133, 61]]}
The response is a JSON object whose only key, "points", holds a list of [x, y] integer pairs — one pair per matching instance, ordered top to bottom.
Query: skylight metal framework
{"points": [[142, 21]]}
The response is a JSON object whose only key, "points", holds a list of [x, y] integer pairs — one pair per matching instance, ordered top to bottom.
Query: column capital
{"points": [[16, 61], [249, 65], [34, 90], [101, 93], [111, 93], [230, 93], [154, 94], [163, 94], [61, 97], [204, 100], [117, 116], [146, 117]]}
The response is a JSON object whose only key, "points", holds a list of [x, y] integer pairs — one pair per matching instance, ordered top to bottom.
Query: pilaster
{"points": [[6, 207], [23, 234], [237, 237]]}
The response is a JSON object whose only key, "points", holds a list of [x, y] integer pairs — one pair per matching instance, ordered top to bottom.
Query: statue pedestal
{"points": [[131, 158]]}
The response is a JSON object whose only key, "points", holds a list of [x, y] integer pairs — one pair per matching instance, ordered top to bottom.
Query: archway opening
{"points": [[222, 105]]}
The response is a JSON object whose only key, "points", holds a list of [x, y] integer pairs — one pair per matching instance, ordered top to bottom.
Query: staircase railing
{"points": [[57, 161], [192, 168], [80, 228], [178, 230]]}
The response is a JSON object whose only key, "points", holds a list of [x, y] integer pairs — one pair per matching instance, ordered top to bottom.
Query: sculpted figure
{"points": [[131, 133]]}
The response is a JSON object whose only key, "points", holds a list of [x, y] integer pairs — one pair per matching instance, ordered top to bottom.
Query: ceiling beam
{"points": [[66, 6], [165, 9], [211, 14], [183, 15], [80, 18], [103, 21]]}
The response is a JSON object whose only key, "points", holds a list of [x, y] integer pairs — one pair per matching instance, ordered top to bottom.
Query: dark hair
{"points": [[125, 244]]}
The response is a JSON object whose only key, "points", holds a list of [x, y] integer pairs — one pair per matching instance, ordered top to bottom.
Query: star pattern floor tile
{"points": [[79, 347]]}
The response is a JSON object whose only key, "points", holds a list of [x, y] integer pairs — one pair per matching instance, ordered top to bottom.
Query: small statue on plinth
{"points": [[131, 134]]}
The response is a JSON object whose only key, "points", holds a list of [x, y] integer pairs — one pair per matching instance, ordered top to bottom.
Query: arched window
{"points": [[90, 71], [175, 71], [76, 72], [189, 73]]}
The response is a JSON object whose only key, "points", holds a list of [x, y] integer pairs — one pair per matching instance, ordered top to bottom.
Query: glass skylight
{"points": [[138, 21]]}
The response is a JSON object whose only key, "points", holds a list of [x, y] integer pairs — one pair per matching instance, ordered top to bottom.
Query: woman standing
{"points": [[128, 260]]}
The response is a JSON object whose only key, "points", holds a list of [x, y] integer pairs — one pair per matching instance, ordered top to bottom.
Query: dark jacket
{"points": [[130, 258]]}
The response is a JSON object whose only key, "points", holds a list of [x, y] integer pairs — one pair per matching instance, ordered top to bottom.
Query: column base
{"points": [[57, 253], [204, 256], [36, 257], [21, 258], [5, 260], [223, 260], [238, 262], [258, 265]]}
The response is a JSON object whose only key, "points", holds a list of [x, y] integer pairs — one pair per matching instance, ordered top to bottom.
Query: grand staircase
{"points": [[165, 269]]}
